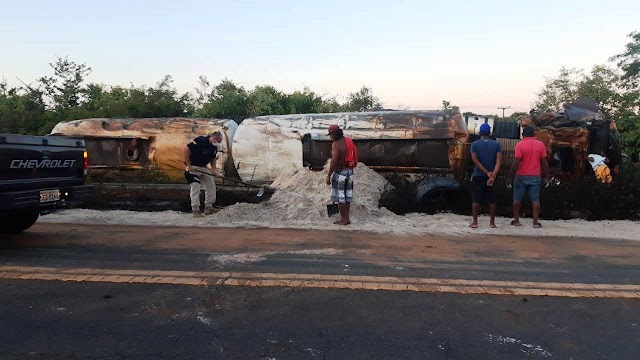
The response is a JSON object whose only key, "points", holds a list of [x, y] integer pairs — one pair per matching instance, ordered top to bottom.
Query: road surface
{"points": [[102, 291]]}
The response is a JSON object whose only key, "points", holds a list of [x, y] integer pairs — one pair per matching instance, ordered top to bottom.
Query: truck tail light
{"points": [[86, 162]]}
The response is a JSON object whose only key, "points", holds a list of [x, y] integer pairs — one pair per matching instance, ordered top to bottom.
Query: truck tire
{"points": [[18, 220]]}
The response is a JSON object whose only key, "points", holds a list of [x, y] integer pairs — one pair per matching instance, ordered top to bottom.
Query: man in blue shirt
{"points": [[198, 154], [487, 158]]}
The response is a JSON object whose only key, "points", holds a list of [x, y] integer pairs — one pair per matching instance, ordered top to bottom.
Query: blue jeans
{"points": [[528, 184]]}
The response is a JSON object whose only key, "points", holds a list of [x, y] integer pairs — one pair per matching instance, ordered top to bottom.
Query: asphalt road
{"points": [[87, 291]]}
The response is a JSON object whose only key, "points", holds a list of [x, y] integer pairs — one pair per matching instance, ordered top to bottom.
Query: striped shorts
{"points": [[342, 186]]}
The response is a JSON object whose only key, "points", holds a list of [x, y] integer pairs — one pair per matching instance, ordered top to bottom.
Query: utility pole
{"points": [[503, 109]]}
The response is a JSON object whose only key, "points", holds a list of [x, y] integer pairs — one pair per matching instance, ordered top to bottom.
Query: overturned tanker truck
{"points": [[429, 147], [261, 148]]}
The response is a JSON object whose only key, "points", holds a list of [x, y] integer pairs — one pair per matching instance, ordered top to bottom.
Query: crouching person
{"points": [[197, 154], [600, 168]]}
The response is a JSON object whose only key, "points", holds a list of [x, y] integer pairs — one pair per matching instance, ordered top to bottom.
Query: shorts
{"points": [[528, 184], [342, 186], [481, 193]]}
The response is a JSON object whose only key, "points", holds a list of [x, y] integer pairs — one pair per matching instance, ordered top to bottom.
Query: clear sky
{"points": [[477, 54]]}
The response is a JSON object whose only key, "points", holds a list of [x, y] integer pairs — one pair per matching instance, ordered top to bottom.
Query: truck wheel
{"points": [[445, 200], [18, 220]]}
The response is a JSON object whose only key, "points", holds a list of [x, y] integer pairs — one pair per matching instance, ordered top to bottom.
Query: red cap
{"points": [[333, 129]]}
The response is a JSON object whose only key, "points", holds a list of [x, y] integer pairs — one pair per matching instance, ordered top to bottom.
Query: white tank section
{"points": [[474, 121], [266, 147], [263, 150]]}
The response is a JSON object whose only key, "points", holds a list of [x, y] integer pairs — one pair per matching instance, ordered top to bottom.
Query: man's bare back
{"points": [[341, 147]]}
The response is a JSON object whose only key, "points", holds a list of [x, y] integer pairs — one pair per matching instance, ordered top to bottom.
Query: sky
{"points": [[477, 54]]}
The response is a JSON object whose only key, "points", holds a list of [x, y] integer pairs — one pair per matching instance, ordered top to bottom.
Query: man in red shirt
{"points": [[344, 159], [530, 161]]}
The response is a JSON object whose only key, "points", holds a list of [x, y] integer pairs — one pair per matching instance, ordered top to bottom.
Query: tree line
{"points": [[65, 95]]}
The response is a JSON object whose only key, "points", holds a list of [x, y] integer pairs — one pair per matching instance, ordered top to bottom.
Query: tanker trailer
{"points": [[390, 142], [148, 149]]}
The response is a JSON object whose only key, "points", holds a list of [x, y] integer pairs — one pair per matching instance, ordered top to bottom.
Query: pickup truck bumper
{"points": [[31, 198]]}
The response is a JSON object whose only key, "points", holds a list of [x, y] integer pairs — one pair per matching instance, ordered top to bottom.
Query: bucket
{"points": [[332, 209]]}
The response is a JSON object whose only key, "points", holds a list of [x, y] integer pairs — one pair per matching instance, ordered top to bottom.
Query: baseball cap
{"points": [[332, 129], [485, 129], [528, 131]]}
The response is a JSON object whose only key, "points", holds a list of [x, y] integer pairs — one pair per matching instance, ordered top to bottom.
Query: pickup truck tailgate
{"points": [[34, 162]]}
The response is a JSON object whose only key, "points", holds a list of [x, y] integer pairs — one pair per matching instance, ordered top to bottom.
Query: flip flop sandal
{"points": [[514, 223], [537, 226]]}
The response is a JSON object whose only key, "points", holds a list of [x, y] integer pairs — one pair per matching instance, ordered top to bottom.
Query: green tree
{"points": [[629, 61], [603, 85], [64, 89], [558, 90], [202, 92], [94, 94], [163, 100], [226, 100], [266, 100], [363, 100], [303, 102], [331, 105], [446, 105], [22, 110], [516, 116], [628, 123]]}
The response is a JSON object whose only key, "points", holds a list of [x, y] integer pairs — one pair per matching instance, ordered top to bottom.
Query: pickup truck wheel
{"points": [[18, 220]]}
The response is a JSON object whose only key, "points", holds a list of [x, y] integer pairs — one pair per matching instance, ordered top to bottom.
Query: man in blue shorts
{"points": [[487, 158], [530, 162]]}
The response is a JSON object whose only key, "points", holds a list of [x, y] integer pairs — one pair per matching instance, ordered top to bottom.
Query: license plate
{"points": [[49, 195]]}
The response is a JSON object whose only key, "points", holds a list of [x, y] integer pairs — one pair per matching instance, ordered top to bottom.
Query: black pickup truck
{"points": [[39, 173]]}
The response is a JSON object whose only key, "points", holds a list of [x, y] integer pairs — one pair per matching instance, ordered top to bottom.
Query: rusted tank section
{"points": [[570, 136], [389, 141], [151, 146], [566, 151]]}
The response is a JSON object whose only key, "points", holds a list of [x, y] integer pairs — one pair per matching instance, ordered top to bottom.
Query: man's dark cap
{"points": [[528, 131]]}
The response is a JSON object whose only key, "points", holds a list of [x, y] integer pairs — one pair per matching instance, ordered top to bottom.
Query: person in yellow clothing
{"points": [[600, 168]]}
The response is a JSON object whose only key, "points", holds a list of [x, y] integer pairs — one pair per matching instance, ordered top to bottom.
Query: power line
{"points": [[503, 109]]}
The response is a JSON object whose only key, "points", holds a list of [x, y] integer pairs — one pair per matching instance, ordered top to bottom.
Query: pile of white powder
{"points": [[302, 196]]}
